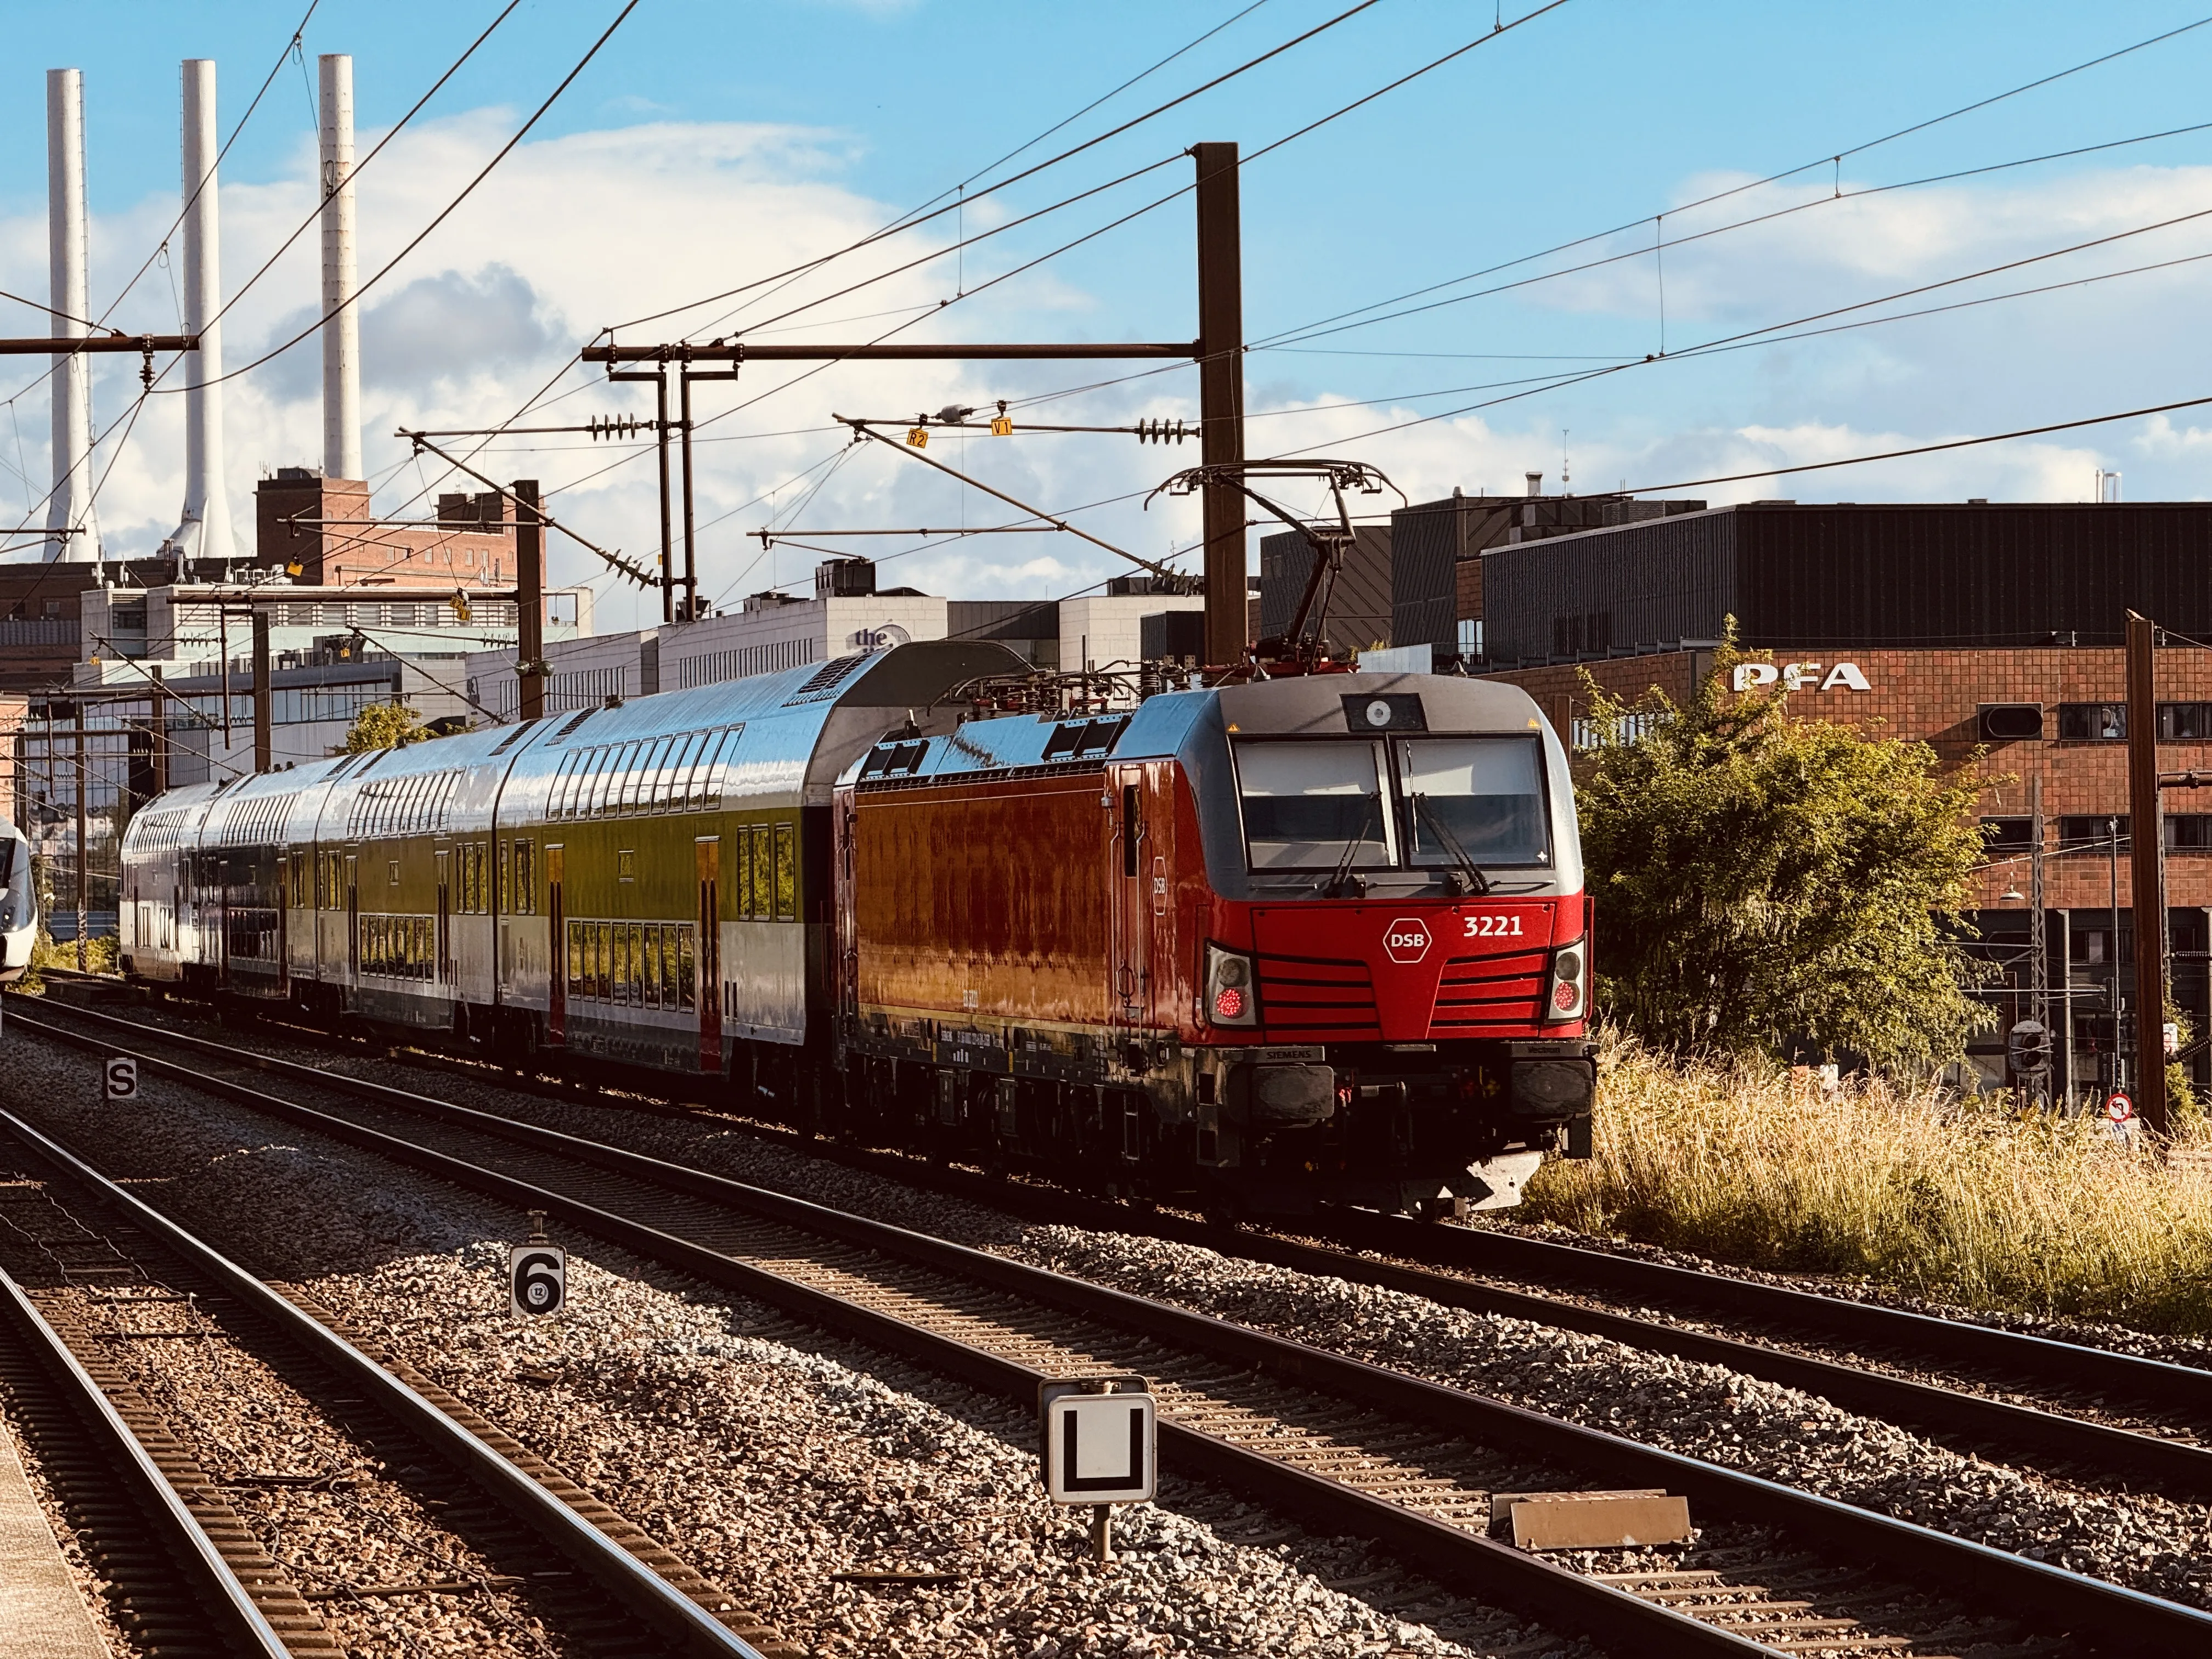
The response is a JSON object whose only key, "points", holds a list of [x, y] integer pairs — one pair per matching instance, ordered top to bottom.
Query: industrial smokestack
{"points": [[342, 322], [69, 507], [205, 532]]}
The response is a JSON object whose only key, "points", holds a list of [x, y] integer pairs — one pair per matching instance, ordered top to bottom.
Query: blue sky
{"points": [[709, 145]]}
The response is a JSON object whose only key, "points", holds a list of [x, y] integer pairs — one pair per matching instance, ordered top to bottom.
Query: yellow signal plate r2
{"points": [[918, 436]]}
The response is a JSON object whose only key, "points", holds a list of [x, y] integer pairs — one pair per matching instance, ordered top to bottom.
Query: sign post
{"points": [[537, 1271], [1099, 1447]]}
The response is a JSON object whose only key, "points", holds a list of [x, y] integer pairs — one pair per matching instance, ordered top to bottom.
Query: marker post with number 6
{"points": [[119, 1078], [537, 1273], [1099, 1446]]}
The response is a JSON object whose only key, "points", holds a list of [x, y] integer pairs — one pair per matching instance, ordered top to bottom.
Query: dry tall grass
{"points": [[1938, 1197]]}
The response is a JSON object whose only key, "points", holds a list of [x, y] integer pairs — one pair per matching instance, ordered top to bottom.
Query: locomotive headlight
{"points": [[1568, 987], [1228, 998]]}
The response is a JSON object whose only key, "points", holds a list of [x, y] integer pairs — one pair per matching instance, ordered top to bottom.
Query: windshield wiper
{"points": [[1352, 846], [1468, 871]]}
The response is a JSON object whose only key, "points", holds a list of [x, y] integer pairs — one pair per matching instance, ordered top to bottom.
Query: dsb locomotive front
{"points": [[1264, 946]]}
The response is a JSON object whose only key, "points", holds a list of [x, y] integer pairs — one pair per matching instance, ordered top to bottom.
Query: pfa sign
{"points": [[119, 1078], [537, 1278], [1099, 1447]]}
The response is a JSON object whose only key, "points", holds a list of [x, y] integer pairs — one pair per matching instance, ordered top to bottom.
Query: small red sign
{"points": [[1407, 939], [2118, 1107]]}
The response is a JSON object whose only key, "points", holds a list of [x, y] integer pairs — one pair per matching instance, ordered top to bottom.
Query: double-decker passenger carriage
{"points": [[19, 903], [1315, 939], [1320, 939]]}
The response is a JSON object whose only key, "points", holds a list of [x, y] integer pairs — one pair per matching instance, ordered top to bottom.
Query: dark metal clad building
{"points": [[1437, 568], [1815, 577], [1359, 609]]}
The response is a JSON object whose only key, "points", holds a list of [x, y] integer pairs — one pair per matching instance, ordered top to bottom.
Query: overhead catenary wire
{"points": [[1337, 113], [1759, 183], [958, 188], [910, 220], [1712, 347], [1930, 448]]}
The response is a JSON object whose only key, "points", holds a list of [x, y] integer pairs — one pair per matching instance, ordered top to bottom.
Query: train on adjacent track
{"points": [[19, 903], [1261, 945]]}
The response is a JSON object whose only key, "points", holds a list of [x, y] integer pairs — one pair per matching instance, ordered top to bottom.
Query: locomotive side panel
{"points": [[991, 901]]}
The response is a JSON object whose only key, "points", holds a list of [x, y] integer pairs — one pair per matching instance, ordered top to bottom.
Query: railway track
{"points": [[141, 1361], [2155, 1417], [1353, 1447]]}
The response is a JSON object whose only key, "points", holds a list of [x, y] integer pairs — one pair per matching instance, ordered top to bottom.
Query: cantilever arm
{"points": [[862, 429], [637, 573]]}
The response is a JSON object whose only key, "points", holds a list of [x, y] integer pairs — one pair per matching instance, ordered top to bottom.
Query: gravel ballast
{"points": [[771, 1456], [2145, 1541]]}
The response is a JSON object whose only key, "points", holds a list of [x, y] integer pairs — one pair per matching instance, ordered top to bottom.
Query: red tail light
{"points": [[1230, 1005]]}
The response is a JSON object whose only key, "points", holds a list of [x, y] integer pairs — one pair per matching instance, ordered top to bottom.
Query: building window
{"points": [[1575, 636], [2094, 722], [2185, 722], [2189, 832], [2091, 834], [2009, 835]]}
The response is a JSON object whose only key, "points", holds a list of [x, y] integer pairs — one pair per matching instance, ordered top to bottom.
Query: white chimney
{"points": [[342, 328], [69, 507], [205, 532]]}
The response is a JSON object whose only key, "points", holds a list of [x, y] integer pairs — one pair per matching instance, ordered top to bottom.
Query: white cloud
{"points": [[573, 233]]}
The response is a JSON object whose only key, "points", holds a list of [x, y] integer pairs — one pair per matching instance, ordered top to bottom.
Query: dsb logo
{"points": [[1406, 940]]}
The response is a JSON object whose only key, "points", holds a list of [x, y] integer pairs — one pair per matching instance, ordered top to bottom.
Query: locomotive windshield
{"points": [[1486, 795], [1422, 803], [1313, 806]]}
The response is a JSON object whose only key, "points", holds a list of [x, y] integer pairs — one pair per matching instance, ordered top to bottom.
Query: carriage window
{"points": [[683, 765], [707, 781], [654, 792], [1486, 794], [594, 797], [1306, 804], [786, 875], [526, 879], [763, 903]]}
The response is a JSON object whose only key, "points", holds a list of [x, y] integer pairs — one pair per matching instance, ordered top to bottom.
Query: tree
{"points": [[384, 725], [1759, 878]]}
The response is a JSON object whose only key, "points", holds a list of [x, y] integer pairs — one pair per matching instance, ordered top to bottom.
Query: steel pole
{"points": [[1221, 397], [667, 571], [529, 602], [690, 611], [160, 738], [264, 744], [2146, 871], [84, 876], [2039, 960]]}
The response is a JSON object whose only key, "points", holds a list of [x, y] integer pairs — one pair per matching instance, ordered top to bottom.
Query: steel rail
{"points": [[2176, 1468], [635, 1586], [2096, 1614], [238, 1620]]}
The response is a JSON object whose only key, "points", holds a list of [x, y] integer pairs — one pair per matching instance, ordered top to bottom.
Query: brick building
{"points": [[1990, 633]]}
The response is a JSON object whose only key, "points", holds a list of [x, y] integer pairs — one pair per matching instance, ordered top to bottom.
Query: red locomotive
{"points": [[1317, 939]]}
